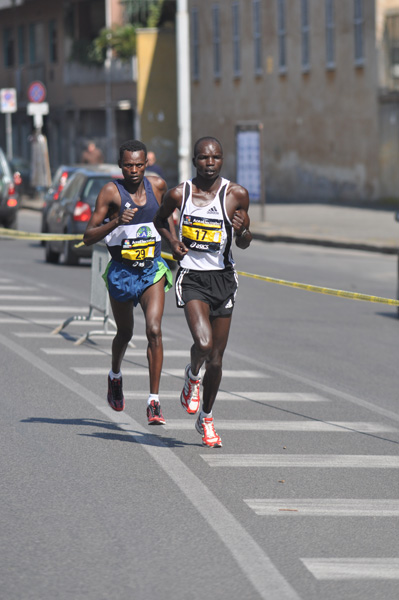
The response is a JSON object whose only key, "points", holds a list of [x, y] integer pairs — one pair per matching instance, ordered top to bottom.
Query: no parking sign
{"points": [[37, 92]]}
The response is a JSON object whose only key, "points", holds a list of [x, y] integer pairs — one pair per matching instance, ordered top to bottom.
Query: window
{"points": [[358, 22], [257, 28], [281, 32], [305, 35], [236, 39], [52, 41], [216, 41], [36, 43], [195, 43], [392, 44], [21, 45], [8, 47], [330, 47]]}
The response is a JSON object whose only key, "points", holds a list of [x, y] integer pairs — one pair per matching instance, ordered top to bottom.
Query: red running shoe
{"points": [[115, 394], [190, 396], [154, 413], [206, 428]]}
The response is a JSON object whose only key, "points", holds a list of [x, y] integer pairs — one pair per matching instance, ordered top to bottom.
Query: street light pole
{"points": [[183, 91]]}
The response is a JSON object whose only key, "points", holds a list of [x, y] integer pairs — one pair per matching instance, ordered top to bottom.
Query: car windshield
{"points": [[93, 188]]}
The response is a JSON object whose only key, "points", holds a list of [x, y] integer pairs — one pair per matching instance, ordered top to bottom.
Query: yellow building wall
{"points": [[157, 96]]}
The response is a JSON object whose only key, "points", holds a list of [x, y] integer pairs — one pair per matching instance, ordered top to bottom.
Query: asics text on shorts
{"points": [[115, 394], [190, 396], [154, 413], [206, 428]]}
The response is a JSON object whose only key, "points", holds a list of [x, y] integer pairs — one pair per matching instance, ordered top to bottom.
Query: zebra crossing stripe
{"points": [[17, 288], [26, 298], [46, 309], [107, 352], [166, 372], [241, 396], [297, 426], [359, 461], [324, 507], [352, 568]]}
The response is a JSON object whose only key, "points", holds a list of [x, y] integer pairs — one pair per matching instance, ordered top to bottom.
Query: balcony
{"points": [[120, 72]]}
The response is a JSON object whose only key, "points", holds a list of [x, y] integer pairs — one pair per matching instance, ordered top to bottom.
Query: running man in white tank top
{"points": [[213, 211]]}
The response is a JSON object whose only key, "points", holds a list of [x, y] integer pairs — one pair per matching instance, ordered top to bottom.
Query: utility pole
{"points": [[183, 91]]}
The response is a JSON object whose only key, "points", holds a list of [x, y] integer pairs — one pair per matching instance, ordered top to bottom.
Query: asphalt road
{"points": [[301, 501]]}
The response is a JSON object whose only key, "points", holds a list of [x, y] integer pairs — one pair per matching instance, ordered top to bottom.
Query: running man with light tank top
{"points": [[213, 211], [136, 273]]}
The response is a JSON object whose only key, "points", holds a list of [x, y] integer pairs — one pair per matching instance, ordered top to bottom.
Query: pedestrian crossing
{"points": [[322, 569]]}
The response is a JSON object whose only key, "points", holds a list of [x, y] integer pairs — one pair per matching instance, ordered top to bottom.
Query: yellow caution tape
{"points": [[13, 233], [27, 235], [323, 290]]}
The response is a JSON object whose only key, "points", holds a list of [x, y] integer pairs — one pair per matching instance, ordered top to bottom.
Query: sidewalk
{"points": [[362, 228]]}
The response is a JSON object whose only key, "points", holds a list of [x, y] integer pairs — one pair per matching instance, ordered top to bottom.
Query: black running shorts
{"points": [[218, 289]]}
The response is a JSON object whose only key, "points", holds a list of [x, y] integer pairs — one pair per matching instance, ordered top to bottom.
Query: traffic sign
{"points": [[37, 92], [8, 100]]}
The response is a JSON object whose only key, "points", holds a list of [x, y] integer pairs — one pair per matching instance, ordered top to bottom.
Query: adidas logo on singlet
{"points": [[212, 210]]}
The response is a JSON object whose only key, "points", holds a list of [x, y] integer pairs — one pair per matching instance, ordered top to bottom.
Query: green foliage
{"points": [[122, 40]]}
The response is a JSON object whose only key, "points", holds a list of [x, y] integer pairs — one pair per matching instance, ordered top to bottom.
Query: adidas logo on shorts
{"points": [[212, 210], [229, 304]]}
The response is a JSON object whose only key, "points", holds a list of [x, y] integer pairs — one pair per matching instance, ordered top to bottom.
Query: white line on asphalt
{"points": [[5, 280], [17, 288], [28, 298], [49, 309], [107, 351], [166, 372], [320, 387], [242, 396], [300, 426], [320, 461], [324, 507], [254, 563], [352, 568]]}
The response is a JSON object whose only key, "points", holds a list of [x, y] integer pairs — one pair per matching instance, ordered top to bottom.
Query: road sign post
{"points": [[8, 105]]}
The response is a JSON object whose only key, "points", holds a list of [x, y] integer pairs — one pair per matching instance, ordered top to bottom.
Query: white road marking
{"points": [[17, 288], [25, 298], [48, 309], [107, 352], [166, 372], [242, 396], [301, 426], [320, 461], [324, 507], [252, 560], [325, 569]]}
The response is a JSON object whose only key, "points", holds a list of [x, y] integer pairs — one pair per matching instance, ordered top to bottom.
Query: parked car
{"points": [[21, 168], [60, 179], [9, 196], [70, 212]]}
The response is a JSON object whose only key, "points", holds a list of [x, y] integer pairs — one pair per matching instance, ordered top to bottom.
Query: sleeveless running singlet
{"points": [[206, 231], [137, 243]]}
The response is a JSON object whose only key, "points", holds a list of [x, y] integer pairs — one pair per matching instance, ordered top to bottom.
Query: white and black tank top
{"points": [[206, 231]]}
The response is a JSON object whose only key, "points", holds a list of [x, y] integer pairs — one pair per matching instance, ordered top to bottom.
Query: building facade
{"points": [[46, 41], [318, 78]]}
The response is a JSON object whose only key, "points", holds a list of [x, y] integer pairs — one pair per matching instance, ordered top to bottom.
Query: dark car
{"points": [[21, 167], [58, 183], [9, 196], [70, 212]]}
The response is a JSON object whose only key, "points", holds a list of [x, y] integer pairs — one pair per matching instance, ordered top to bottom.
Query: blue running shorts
{"points": [[128, 283]]}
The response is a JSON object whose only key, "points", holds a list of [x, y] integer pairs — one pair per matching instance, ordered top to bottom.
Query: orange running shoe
{"points": [[190, 396], [206, 428]]}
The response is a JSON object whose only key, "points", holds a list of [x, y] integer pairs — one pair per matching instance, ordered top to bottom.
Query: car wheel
{"points": [[12, 223], [51, 256], [70, 257]]}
